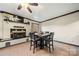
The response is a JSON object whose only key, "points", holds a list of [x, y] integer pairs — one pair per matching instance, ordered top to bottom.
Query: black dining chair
{"points": [[47, 32], [41, 33], [31, 39], [34, 41], [49, 41]]}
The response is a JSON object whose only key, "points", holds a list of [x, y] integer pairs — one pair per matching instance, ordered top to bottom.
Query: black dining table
{"points": [[42, 39]]}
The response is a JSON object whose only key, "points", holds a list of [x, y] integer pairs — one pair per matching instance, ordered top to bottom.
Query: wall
{"points": [[1, 26], [66, 28]]}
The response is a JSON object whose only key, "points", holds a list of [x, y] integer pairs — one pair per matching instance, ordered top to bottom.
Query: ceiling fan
{"points": [[28, 8]]}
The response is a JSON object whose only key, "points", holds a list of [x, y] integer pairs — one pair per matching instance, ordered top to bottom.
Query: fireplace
{"points": [[16, 33]]}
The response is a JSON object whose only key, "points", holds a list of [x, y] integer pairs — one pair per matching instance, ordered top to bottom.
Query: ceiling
{"points": [[42, 12]]}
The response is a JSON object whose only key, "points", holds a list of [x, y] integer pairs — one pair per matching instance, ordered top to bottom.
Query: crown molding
{"points": [[60, 16]]}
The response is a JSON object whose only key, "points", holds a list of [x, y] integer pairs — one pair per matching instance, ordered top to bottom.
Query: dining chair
{"points": [[47, 32], [41, 33], [31, 39], [34, 41], [49, 41]]}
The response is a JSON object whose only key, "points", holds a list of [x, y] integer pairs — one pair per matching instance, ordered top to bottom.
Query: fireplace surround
{"points": [[16, 33]]}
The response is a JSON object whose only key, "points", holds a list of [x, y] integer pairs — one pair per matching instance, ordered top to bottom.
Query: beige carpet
{"points": [[24, 50]]}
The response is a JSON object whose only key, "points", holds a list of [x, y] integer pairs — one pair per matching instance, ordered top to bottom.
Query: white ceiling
{"points": [[42, 12]]}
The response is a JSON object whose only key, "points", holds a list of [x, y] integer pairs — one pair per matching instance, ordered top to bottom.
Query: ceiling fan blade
{"points": [[33, 4], [19, 7], [29, 10]]}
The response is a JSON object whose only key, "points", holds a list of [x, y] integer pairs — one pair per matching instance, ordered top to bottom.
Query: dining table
{"points": [[42, 39]]}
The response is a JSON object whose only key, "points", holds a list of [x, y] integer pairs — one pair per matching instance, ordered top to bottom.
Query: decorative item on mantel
{"points": [[6, 18], [16, 19], [27, 23], [0, 39]]}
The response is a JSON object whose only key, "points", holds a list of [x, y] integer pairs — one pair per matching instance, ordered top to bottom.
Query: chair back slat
{"points": [[31, 35], [51, 35]]}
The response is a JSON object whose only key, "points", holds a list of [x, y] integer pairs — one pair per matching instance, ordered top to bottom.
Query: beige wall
{"points": [[1, 26], [66, 28]]}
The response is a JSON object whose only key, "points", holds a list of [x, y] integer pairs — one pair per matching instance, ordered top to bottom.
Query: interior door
{"points": [[35, 27]]}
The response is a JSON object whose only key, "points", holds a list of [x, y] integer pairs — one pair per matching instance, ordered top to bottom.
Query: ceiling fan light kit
{"points": [[20, 6], [29, 10]]}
